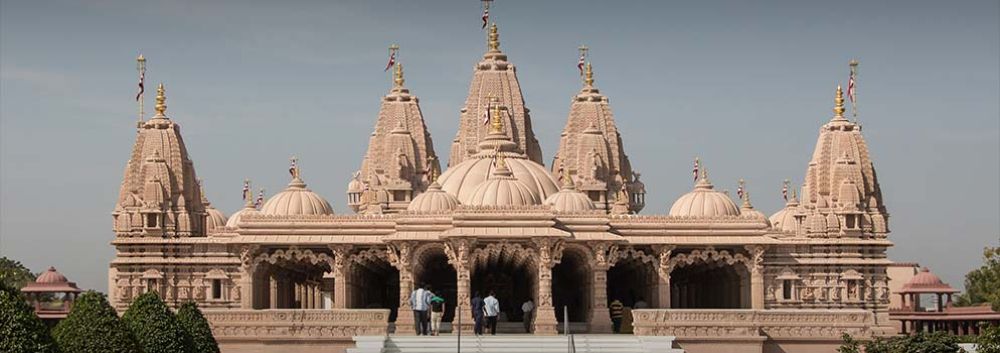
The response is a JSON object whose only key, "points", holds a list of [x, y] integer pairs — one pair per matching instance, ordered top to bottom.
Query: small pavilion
{"points": [[52, 295], [943, 316]]}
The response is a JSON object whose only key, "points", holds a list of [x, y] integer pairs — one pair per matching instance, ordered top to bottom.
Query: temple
{"points": [[713, 271]]}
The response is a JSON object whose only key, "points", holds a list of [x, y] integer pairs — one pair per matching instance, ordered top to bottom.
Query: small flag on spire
{"points": [[486, 13], [392, 57], [583, 59], [142, 78], [851, 90], [486, 116], [293, 169], [695, 170], [246, 189], [739, 189], [784, 190], [260, 199]]}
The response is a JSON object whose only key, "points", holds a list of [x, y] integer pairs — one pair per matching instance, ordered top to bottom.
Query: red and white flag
{"points": [[486, 16], [392, 61], [579, 64], [142, 83], [850, 88], [486, 117], [293, 169], [695, 170], [246, 189], [739, 190], [784, 192], [260, 199]]}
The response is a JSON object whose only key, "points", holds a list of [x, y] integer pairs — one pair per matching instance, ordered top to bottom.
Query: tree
{"points": [[14, 273], [982, 285], [93, 326], [155, 327], [197, 327], [20, 330], [988, 340], [938, 342]]}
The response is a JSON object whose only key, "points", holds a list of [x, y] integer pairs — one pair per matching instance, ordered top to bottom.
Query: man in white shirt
{"points": [[420, 301], [528, 308], [491, 309]]}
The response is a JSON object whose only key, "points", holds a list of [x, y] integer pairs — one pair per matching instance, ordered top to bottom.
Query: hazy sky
{"points": [[745, 85]]}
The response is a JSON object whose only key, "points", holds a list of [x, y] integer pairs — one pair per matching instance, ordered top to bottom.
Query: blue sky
{"points": [[744, 85]]}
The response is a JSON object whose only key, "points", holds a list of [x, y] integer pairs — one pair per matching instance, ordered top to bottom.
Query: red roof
{"points": [[51, 281], [926, 282]]}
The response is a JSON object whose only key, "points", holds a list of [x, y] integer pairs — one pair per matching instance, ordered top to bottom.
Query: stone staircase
{"points": [[584, 343]]}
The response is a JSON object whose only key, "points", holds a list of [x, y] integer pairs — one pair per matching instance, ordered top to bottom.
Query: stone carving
{"points": [[774, 323], [234, 325]]}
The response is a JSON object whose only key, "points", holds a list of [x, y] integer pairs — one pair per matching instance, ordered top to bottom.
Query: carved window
{"points": [[399, 195], [595, 196], [150, 220], [851, 222], [151, 285], [216, 289], [786, 289]]}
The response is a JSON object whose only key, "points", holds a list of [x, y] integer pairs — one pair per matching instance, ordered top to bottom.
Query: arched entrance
{"points": [[431, 267], [508, 270], [290, 278], [633, 278], [710, 279], [375, 283], [571, 287]]}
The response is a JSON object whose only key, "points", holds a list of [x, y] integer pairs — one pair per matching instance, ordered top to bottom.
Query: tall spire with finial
{"points": [[494, 38], [589, 75], [398, 80], [161, 101], [838, 105], [496, 120]]}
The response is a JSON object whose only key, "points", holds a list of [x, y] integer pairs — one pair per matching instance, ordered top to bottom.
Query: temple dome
{"points": [[502, 189], [434, 199], [569, 199], [296, 200], [704, 201], [238, 215], [214, 220], [784, 220], [51, 277], [51, 281], [926, 282]]}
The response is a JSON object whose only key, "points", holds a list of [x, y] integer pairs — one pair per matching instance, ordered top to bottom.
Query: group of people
{"points": [[423, 300], [485, 312]]}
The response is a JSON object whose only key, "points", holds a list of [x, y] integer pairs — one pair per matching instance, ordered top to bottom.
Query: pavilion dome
{"points": [[463, 179], [503, 189], [434, 199], [569, 199], [296, 200], [704, 201], [748, 210], [235, 219], [214, 220], [784, 220], [51, 277], [51, 281], [926, 282]]}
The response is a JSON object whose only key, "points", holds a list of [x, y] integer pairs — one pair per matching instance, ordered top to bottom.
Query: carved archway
{"points": [[431, 267], [509, 269], [290, 278], [633, 278], [710, 279], [374, 282], [571, 283]]}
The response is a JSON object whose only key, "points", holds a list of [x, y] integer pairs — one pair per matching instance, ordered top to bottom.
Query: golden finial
{"points": [[494, 38], [399, 75], [589, 80], [161, 100], [838, 107], [496, 121], [498, 159], [704, 174], [567, 179]]}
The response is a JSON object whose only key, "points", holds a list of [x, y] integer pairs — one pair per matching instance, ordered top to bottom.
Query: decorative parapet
{"points": [[743, 323], [296, 324]]}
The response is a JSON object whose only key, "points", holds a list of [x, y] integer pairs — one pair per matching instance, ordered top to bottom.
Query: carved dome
{"points": [[503, 189], [434, 199], [569, 199], [296, 200], [704, 201], [238, 215], [214, 220], [784, 220], [51, 281]]}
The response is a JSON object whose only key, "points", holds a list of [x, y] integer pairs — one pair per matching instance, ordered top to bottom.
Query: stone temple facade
{"points": [[713, 271]]}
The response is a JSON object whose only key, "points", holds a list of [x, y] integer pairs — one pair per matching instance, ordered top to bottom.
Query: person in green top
{"points": [[617, 310], [437, 311]]}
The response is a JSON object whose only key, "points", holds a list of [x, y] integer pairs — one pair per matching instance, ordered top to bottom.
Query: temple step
{"points": [[584, 343]]}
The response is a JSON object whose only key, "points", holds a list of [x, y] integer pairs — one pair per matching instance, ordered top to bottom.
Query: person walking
{"points": [[420, 300], [478, 306], [528, 308], [491, 309], [616, 309], [437, 311]]}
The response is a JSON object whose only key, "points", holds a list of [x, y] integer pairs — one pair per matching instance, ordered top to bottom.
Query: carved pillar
{"points": [[549, 254], [459, 256], [604, 256], [399, 257], [341, 267], [756, 269], [247, 270], [663, 270], [274, 292], [317, 296]]}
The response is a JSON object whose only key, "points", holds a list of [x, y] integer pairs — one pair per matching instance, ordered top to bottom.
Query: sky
{"points": [[743, 85]]}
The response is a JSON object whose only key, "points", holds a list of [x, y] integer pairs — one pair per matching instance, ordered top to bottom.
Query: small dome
{"points": [[355, 186], [502, 189], [434, 199], [569, 199], [296, 200], [704, 201], [238, 216], [214, 219], [784, 220], [51, 277], [926, 282]]}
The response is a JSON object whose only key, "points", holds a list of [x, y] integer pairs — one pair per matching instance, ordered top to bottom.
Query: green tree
{"points": [[14, 273], [982, 285], [93, 327], [155, 327], [197, 327], [20, 330], [988, 340], [938, 342], [850, 345]]}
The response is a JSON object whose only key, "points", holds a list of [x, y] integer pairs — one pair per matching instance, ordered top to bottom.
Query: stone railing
{"points": [[745, 323], [296, 324]]}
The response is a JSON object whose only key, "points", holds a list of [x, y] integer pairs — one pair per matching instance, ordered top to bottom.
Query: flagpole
{"points": [[393, 59], [141, 67], [854, 100]]}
